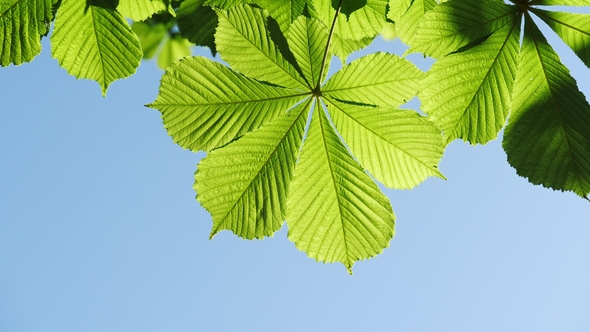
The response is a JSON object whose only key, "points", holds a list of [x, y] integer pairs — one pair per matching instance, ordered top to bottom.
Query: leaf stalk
{"points": [[325, 58]]}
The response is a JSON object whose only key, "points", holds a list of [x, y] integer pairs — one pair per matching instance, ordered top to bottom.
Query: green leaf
{"points": [[579, 3], [225, 4], [397, 8], [139, 10], [286, 11], [365, 22], [197, 23], [456, 23], [22, 24], [407, 24], [574, 29], [150, 37], [308, 39], [94, 42], [244, 42], [175, 48], [342, 48], [381, 79], [468, 94], [205, 105], [547, 137], [399, 148], [249, 198], [336, 213]]}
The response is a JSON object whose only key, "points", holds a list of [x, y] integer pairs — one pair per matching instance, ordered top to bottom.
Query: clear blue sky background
{"points": [[100, 231]]}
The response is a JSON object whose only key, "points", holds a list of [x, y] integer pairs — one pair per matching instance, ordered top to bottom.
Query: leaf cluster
{"points": [[285, 142]]}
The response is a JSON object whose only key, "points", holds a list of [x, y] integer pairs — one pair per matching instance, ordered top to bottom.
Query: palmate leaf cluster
{"points": [[280, 136], [287, 143]]}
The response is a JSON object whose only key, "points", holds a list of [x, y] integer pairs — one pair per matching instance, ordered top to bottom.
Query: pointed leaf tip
{"points": [[103, 47], [336, 213]]}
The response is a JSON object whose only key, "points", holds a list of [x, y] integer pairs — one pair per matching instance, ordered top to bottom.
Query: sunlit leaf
{"points": [[579, 3], [397, 8], [139, 10], [365, 22], [456, 23], [22, 24], [407, 24], [150, 37], [307, 40], [94, 42], [244, 42], [342, 48], [376, 79], [468, 94], [205, 105], [252, 126], [399, 148], [249, 198], [336, 213]]}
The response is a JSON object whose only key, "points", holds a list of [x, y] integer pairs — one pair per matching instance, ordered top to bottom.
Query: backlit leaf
{"points": [[579, 3], [397, 8], [139, 10], [285, 11], [365, 22], [456, 23], [22, 24], [407, 24], [94, 42], [245, 43], [342, 48], [376, 79], [467, 94], [205, 105], [253, 127], [399, 148], [249, 198], [336, 213]]}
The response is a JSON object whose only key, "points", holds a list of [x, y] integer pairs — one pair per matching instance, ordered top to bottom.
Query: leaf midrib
{"points": [[10, 8], [455, 32], [269, 58], [496, 58], [102, 66], [235, 102], [336, 192], [216, 229]]}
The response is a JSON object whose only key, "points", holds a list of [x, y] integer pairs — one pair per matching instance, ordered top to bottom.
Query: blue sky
{"points": [[100, 231]]}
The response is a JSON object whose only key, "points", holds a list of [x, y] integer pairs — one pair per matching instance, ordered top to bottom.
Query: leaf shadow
{"points": [[106, 4], [348, 6], [280, 40]]}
